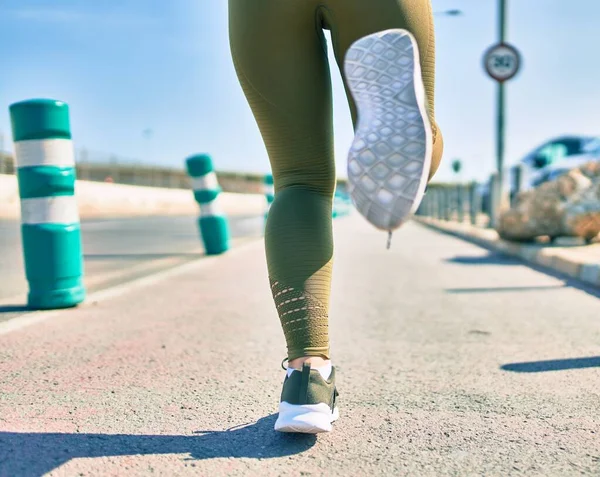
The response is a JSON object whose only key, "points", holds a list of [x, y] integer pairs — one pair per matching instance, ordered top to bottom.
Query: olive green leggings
{"points": [[280, 55]]}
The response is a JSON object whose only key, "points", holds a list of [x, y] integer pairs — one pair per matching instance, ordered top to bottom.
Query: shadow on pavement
{"points": [[139, 256], [494, 258], [489, 259], [504, 289], [14, 308], [553, 365], [35, 454]]}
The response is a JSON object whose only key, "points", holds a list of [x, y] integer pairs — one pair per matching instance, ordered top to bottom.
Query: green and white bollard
{"points": [[269, 192], [342, 204], [213, 225], [50, 226]]}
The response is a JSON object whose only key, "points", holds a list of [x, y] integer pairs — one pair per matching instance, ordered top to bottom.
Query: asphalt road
{"points": [[117, 250], [453, 361]]}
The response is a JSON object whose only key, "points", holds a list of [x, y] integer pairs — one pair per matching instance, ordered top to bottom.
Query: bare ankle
{"points": [[314, 361]]}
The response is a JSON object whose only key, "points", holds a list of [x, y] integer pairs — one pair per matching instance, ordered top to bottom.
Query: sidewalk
{"points": [[581, 262], [452, 361]]}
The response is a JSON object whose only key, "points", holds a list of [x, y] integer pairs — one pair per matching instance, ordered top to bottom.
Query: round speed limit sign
{"points": [[502, 62]]}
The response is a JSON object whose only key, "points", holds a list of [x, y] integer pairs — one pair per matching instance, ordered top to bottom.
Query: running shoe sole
{"points": [[390, 158], [305, 419]]}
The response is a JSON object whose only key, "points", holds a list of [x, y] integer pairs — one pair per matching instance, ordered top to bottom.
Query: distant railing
{"points": [[98, 167], [468, 203]]}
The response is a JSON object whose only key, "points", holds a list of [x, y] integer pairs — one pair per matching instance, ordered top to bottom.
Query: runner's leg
{"points": [[280, 57]]}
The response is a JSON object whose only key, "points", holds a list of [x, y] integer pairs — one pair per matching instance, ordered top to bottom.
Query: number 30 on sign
{"points": [[502, 62]]}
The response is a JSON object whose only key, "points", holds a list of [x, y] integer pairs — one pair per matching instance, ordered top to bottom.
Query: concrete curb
{"points": [[580, 262]]}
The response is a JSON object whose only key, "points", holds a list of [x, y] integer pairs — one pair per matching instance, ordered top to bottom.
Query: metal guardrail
{"points": [[103, 168], [457, 202], [469, 202]]}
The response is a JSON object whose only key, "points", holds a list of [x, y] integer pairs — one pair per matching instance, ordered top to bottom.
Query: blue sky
{"points": [[125, 66]]}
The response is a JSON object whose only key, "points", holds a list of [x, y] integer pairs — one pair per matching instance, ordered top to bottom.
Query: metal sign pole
{"points": [[501, 62], [500, 193]]}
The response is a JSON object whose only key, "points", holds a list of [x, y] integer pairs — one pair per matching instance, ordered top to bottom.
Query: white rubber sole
{"points": [[390, 158], [305, 419]]}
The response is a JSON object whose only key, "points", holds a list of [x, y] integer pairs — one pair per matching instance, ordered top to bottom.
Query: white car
{"points": [[554, 158], [565, 164]]}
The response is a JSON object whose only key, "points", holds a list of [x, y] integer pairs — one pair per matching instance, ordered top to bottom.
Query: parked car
{"points": [[591, 152], [552, 159], [546, 162]]}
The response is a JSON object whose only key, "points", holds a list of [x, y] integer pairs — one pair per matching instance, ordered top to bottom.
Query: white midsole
{"points": [[421, 98], [305, 418]]}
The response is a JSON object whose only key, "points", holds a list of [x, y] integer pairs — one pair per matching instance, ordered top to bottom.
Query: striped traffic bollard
{"points": [[269, 192], [342, 204], [213, 225], [50, 227]]}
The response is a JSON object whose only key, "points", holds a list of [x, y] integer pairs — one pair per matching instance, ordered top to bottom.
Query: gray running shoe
{"points": [[390, 159], [308, 402]]}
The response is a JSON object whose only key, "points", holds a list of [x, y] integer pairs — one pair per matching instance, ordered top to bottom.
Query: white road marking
{"points": [[22, 321]]}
